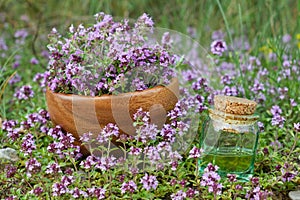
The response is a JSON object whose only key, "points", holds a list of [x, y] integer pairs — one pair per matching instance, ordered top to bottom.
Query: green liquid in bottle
{"points": [[233, 153], [230, 163]]}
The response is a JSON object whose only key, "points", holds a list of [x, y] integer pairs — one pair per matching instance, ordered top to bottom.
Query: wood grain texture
{"points": [[80, 114]]}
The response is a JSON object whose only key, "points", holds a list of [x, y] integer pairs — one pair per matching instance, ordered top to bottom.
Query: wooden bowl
{"points": [[78, 114]]}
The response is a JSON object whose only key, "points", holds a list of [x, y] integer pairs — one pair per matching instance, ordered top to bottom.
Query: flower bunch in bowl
{"points": [[109, 56]]}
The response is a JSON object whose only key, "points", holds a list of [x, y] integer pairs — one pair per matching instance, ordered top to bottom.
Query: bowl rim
{"points": [[174, 82]]}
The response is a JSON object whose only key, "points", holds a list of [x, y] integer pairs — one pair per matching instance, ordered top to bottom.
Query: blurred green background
{"points": [[256, 19]]}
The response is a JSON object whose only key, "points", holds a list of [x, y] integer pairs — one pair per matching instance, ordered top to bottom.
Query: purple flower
{"points": [[145, 19], [22, 33], [20, 36], [286, 38], [3, 45], [125, 46], [217, 47], [34, 61], [286, 63], [16, 64], [263, 72], [189, 75], [41, 78], [15, 79], [226, 80], [201, 83], [138, 84], [257, 87], [230, 91], [25, 92], [282, 92], [293, 103], [181, 109], [276, 110], [44, 114], [32, 120], [278, 120], [8, 125], [261, 126], [182, 127], [297, 127], [108, 131], [55, 132], [146, 132], [168, 133], [14, 134], [86, 137], [67, 140], [276, 144], [28, 145], [135, 151], [265, 151], [195, 152], [152, 153], [89, 162], [106, 163], [174, 165], [32, 166], [278, 167], [53, 168], [211, 168], [134, 170], [10, 171], [69, 171], [287, 173], [287, 176], [231, 178], [211, 179], [67, 180], [254, 180], [149, 182], [173, 182], [183, 182], [130, 187], [238, 187], [215, 188], [59, 189], [37, 191], [96, 192], [77, 193], [190, 193], [257, 193], [179, 195]]}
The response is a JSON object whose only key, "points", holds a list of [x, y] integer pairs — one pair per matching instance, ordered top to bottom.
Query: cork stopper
{"points": [[234, 105]]}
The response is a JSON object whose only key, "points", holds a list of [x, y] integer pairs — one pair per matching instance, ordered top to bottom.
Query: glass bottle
{"points": [[229, 141]]}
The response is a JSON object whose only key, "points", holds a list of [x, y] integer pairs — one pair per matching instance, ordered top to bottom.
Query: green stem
{"points": [[225, 21], [235, 57], [294, 145], [108, 148], [74, 163], [89, 176], [110, 185]]}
